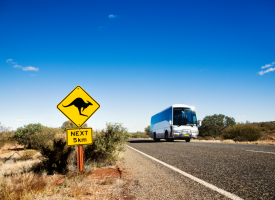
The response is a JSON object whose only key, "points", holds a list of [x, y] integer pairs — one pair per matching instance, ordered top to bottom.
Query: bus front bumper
{"points": [[184, 136]]}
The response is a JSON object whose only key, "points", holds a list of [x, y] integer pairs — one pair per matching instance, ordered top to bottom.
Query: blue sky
{"points": [[136, 58]]}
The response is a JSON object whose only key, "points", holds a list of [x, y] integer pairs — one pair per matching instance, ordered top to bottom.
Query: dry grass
{"points": [[22, 160], [8, 169], [17, 182], [102, 183], [21, 186]]}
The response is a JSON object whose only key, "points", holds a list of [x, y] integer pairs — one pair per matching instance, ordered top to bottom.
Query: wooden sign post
{"points": [[80, 158]]}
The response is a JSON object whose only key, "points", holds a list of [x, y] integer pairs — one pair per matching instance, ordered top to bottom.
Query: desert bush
{"points": [[69, 124], [215, 125], [268, 125], [265, 129], [242, 132], [23, 134], [139, 135], [34, 136], [44, 137], [107, 144], [56, 155]]}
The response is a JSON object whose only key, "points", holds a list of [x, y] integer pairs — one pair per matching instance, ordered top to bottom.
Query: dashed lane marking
{"points": [[261, 151], [210, 186]]}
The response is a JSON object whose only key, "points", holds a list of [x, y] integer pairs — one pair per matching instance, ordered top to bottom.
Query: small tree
{"points": [[215, 125], [147, 130], [24, 134]]}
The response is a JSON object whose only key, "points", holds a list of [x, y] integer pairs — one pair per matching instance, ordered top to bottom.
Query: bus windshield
{"points": [[184, 116]]}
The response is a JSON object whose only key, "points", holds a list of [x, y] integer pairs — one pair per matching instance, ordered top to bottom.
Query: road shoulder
{"points": [[154, 181]]}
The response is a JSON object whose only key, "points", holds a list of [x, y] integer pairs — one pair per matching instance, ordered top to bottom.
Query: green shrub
{"points": [[215, 125], [268, 125], [265, 129], [242, 132], [23, 134], [34, 136], [44, 137], [107, 144], [56, 156]]}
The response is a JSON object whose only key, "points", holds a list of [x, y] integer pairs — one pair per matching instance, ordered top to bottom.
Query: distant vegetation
{"points": [[215, 125], [223, 127], [243, 132], [5, 133], [139, 134], [145, 134]]}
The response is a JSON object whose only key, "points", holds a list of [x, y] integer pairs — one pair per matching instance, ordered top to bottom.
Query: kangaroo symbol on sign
{"points": [[79, 103]]}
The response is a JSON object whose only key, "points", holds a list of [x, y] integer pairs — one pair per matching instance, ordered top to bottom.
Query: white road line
{"points": [[261, 151], [212, 187]]}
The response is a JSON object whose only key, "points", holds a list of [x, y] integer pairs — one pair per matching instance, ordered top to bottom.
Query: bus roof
{"points": [[183, 105], [177, 106]]}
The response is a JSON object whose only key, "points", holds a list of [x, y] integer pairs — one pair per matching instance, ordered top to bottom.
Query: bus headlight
{"points": [[194, 132]]}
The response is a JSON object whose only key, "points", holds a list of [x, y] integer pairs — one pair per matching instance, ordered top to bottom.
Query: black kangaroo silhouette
{"points": [[79, 103]]}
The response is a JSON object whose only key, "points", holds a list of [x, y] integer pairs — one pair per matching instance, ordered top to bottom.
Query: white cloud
{"points": [[112, 16], [10, 61], [15, 65], [268, 65], [29, 68], [267, 71], [19, 120], [17, 123]]}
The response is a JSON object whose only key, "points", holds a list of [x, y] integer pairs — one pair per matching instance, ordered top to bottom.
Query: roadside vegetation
{"points": [[221, 127], [145, 134], [35, 161]]}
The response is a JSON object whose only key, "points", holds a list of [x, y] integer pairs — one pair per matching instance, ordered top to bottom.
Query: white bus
{"points": [[179, 121]]}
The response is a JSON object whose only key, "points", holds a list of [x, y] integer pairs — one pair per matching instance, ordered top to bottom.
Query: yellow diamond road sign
{"points": [[78, 106]]}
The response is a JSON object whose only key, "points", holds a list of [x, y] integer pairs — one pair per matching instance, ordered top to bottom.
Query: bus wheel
{"points": [[166, 136], [155, 138], [187, 140]]}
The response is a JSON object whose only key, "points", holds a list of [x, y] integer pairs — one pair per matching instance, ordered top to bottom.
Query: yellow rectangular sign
{"points": [[82, 136]]}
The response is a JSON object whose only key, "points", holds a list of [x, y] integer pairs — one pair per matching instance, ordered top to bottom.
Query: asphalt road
{"points": [[247, 171]]}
